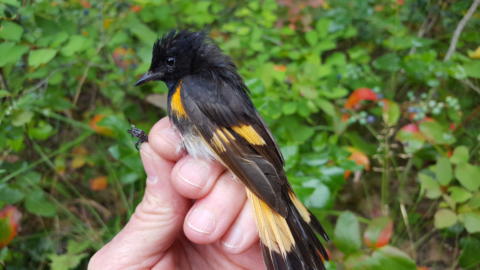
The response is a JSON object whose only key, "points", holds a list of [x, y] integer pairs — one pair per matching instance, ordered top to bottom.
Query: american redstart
{"points": [[208, 103]]}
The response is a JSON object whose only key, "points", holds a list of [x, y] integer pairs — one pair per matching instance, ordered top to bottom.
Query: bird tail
{"points": [[289, 243]]}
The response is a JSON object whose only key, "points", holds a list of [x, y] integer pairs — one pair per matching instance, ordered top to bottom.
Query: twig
{"points": [[459, 29], [84, 75], [81, 82], [3, 83], [469, 83], [424, 238]]}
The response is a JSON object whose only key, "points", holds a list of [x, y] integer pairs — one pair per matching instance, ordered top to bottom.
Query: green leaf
{"points": [[11, 2], [11, 31], [143, 32], [311, 37], [75, 44], [11, 53], [42, 56], [388, 62], [473, 69], [334, 93], [327, 107], [289, 108], [391, 113], [21, 118], [42, 131], [436, 132], [460, 155], [443, 171], [468, 175], [429, 185], [10, 195], [459, 195], [319, 197], [37, 204], [445, 218], [471, 221], [347, 233], [387, 257], [469, 257], [65, 261]]}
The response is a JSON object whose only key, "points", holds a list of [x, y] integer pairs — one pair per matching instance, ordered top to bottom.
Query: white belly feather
{"points": [[197, 147]]}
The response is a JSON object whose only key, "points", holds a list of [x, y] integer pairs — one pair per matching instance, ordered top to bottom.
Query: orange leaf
{"points": [[85, 4], [135, 8], [378, 8], [107, 22], [123, 57], [281, 68], [359, 95], [98, 128], [80, 150], [359, 158], [347, 174], [99, 183], [9, 224], [378, 232], [422, 268]]}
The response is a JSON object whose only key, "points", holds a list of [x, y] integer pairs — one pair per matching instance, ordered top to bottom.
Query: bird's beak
{"points": [[149, 76]]}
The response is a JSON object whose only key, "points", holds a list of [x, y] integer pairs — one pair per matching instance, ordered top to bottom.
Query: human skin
{"points": [[194, 215]]}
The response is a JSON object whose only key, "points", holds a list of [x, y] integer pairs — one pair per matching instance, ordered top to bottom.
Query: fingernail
{"points": [[149, 163], [195, 172], [202, 221], [234, 238]]}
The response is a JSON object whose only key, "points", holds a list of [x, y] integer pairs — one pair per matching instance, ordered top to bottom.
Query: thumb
{"points": [[154, 225]]}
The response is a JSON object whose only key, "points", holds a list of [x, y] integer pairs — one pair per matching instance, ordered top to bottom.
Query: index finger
{"points": [[165, 140]]}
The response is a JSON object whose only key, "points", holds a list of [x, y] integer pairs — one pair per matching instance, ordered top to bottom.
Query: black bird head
{"points": [[181, 53]]}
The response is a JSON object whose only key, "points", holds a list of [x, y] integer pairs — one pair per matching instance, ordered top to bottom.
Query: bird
{"points": [[210, 106]]}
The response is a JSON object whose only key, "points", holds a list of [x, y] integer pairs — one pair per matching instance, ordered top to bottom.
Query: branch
{"points": [[459, 29]]}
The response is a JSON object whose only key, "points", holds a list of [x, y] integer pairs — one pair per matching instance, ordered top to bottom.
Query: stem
{"points": [[459, 29], [34, 164], [385, 175]]}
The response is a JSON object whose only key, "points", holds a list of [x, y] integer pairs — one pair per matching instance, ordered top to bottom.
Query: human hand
{"points": [[193, 215]]}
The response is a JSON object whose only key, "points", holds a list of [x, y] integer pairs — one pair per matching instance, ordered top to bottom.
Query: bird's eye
{"points": [[171, 61]]}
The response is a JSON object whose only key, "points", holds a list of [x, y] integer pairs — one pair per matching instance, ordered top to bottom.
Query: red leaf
{"points": [[135, 8], [359, 95], [411, 128], [98, 183], [9, 224], [378, 233]]}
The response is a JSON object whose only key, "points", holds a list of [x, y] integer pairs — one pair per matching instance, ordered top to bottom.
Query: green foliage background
{"points": [[67, 70]]}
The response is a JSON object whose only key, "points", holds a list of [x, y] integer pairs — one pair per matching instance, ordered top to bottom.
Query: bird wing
{"points": [[230, 125]]}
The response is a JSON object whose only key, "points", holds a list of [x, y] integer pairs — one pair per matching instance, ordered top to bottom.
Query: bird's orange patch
{"points": [[176, 103], [249, 134]]}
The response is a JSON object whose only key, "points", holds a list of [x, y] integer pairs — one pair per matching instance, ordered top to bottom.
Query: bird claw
{"points": [[139, 134]]}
